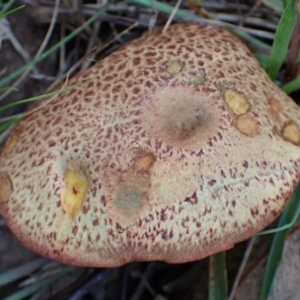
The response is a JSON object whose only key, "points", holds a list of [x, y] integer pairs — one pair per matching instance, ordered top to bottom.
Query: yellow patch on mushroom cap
{"points": [[175, 67], [238, 103], [248, 125], [291, 132], [11, 143], [144, 162], [76, 186], [6, 187], [63, 232]]}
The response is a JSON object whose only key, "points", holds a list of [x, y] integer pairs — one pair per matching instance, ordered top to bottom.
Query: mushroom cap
{"points": [[178, 147]]}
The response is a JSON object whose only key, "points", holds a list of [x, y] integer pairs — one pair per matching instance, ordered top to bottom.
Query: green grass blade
{"points": [[285, 2], [275, 5], [6, 7], [165, 8], [3, 15], [188, 15], [74, 33], [250, 39], [282, 39], [263, 59], [291, 86], [13, 89], [40, 97], [7, 124], [286, 226], [276, 252], [21, 271], [217, 277], [29, 290]]}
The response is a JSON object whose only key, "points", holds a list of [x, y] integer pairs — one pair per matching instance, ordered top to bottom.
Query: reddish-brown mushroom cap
{"points": [[179, 147]]}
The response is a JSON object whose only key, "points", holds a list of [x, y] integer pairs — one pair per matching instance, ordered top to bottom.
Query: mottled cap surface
{"points": [[178, 146]]}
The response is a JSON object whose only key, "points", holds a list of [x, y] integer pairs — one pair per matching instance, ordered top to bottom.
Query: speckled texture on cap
{"points": [[178, 147]]}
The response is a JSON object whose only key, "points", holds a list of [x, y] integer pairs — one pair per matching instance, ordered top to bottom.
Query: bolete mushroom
{"points": [[179, 146]]}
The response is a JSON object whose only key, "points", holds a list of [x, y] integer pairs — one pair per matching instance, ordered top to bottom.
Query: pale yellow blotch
{"points": [[175, 67], [238, 103], [248, 125], [291, 132], [11, 143], [144, 163], [76, 184], [6, 188], [63, 231]]}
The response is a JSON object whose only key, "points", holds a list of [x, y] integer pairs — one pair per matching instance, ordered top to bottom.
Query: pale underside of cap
{"points": [[177, 146]]}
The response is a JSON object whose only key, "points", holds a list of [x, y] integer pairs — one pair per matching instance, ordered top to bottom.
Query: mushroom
{"points": [[178, 147]]}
